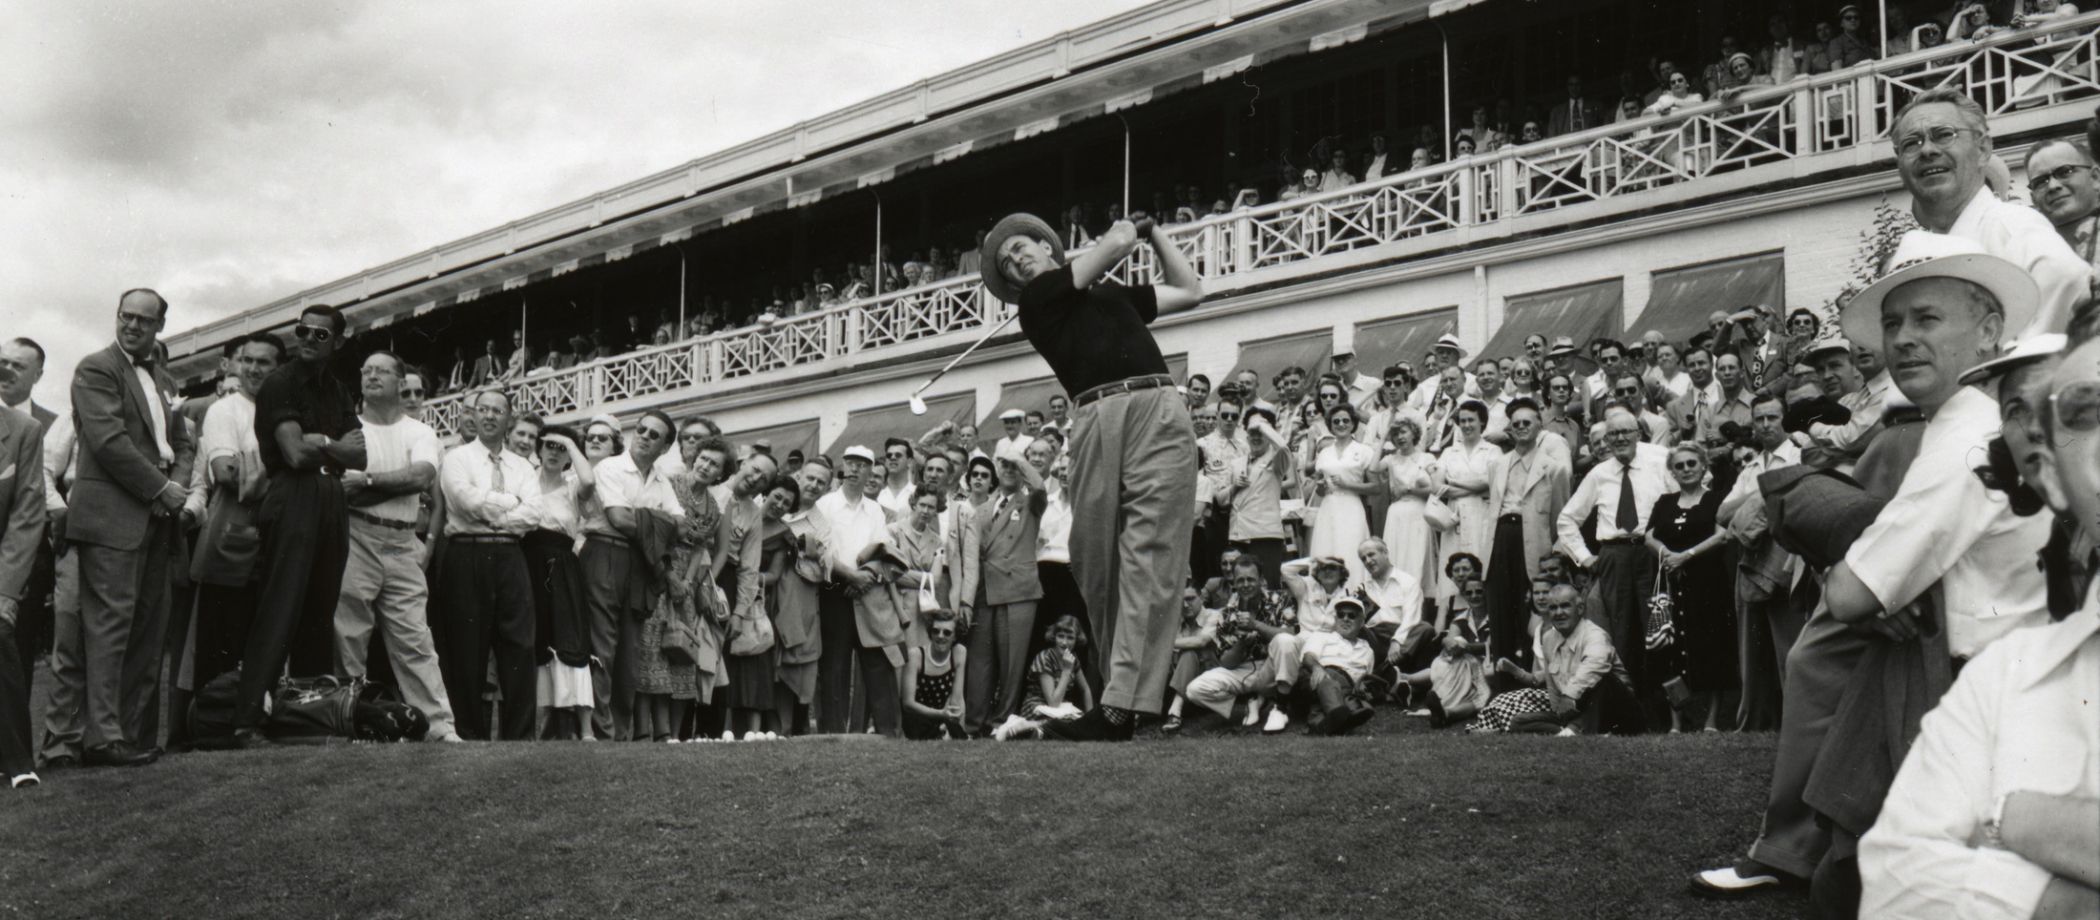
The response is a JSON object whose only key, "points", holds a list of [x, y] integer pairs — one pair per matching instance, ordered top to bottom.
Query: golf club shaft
{"points": [[952, 362]]}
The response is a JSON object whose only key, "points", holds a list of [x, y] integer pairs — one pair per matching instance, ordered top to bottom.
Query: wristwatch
{"points": [[1994, 826]]}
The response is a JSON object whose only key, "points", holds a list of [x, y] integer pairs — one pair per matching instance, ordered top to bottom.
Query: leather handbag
{"points": [[1439, 515], [751, 632]]}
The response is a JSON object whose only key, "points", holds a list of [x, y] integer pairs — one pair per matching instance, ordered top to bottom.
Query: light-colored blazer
{"points": [[1545, 490], [21, 499]]}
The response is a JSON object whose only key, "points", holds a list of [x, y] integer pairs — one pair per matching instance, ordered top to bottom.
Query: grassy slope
{"points": [[1407, 824]]}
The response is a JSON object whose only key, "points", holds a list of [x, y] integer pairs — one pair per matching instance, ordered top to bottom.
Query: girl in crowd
{"points": [[1466, 467], [1342, 470], [1411, 478], [1686, 536], [1053, 557], [793, 564], [1459, 569], [562, 632], [1054, 676], [748, 695], [933, 697]]}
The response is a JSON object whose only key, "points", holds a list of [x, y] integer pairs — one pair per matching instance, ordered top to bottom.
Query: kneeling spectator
{"points": [[1195, 649], [1054, 677], [1578, 686], [933, 699]]}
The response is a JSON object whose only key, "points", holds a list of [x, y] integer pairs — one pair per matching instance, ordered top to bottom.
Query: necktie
{"points": [[1575, 107], [496, 463], [1629, 517]]}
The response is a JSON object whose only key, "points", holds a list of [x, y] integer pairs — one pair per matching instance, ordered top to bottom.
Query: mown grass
{"points": [[1400, 824]]}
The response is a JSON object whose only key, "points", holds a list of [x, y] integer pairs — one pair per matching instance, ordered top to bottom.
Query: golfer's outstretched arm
{"points": [[1108, 252], [1179, 288]]}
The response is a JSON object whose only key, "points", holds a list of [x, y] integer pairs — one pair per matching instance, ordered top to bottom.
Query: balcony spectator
{"points": [[2039, 13], [1971, 21], [1897, 32], [1927, 35], [1849, 46], [1819, 49], [1783, 57], [1661, 73], [1720, 75], [1742, 75], [1679, 95], [1575, 113], [1530, 133], [1429, 137], [1462, 146], [1380, 162], [1337, 175], [1308, 184], [1076, 234], [666, 329], [633, 338], [559, 357], [487, 368]]}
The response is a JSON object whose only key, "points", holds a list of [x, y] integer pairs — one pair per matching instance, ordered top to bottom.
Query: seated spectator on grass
{"points": [[1317, 584], [1257, 627], [1396, 630], [1195, 650], [1332, 669], [1456, 679], [1056, 685], [1578, 686], [933, 698]]}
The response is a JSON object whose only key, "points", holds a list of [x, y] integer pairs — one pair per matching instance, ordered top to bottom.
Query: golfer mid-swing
{"points": [[1133, 491]]}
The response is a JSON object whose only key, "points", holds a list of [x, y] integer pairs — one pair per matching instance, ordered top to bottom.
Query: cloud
{"points": [[229, 154]]}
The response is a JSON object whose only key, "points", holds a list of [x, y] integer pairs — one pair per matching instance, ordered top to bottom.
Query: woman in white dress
{"points": [[1466, 467], [1344, 476], [1411, 477]]}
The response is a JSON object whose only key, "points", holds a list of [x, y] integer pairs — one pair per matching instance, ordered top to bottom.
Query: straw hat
{"points": [[988, 253]]}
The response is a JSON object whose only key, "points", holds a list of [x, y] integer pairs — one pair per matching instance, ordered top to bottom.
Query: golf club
{"points": [[918, 405]]}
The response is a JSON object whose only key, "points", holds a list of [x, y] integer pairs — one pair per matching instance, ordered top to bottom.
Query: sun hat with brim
{"points": [[988, 253], [1924, 254], [1450, 342], [1826, 345], [1563, 347], [2031, 349], [857, 452]]}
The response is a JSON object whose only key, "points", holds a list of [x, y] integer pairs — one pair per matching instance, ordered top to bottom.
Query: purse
{"points": [[1439, 515], [930, 599], [1661, 630], [751, 633], [678, 640]]}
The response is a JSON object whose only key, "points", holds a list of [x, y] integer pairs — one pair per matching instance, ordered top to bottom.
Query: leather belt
{"points": [[1119, 387], [388, 523], [481, 538], [607, 538], [1623, 541]]}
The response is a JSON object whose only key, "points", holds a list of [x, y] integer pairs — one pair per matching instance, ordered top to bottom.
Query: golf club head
{"points": [[918, 406]]}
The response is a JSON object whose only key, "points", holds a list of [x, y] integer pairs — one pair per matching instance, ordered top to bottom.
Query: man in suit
{"points": [[1573, 114], [1380, 162], [24, 359], [489, 367], [1525, 493], [123, 521], [21, 541], [1008, 591]]}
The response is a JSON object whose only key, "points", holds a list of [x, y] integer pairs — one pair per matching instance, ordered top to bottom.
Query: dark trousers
{"points": [[306, 542], [1267, 552], [608, 565], [1625, 580], [1508, 593], [124, 596], [1061, 596], [486, 602], [225, 614], [33, 621], [839, 638], [998, 644], [878, 685], [1609, 708], [922, 728], [16, 755]]}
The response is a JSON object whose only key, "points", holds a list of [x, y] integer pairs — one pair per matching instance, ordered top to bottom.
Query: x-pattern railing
{"points": [[2005, 74]]}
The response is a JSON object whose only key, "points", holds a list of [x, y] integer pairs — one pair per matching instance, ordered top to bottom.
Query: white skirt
{"points": [[564, 686]]}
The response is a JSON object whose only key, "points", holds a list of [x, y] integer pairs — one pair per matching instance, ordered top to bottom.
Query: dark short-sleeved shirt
{"points": [[1093, 336], [300, 392]]}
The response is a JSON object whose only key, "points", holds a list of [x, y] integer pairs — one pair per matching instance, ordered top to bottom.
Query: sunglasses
{"points": [[316, 333], [413, 394], [1521, 423], [652, 434], [692, 437], [597, 439], [550, 442], [895, 456], [1685, 465], [941, 633]]}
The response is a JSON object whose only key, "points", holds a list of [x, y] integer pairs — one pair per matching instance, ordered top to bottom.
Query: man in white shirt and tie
{"points": [[1622, 490], [855, 522], [484, 587]]}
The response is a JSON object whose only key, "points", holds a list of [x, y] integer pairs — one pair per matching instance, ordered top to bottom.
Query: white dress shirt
{"points": [[2022, 236], [1866, 405], [156, 409], [58, 453], [1779, 458], [622, 485], [1600, 492], [478, 501], [897, 502], [854, 525], [1944, 526], [1053, 533], [1399, 599], [1350, 656], [2020, 719]]}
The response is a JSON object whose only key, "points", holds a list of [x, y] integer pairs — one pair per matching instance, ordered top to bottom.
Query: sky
{"points": [[229, 153]]}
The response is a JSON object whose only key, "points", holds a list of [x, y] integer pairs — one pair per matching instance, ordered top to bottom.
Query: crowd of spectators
{"points": [[1739, 530]]}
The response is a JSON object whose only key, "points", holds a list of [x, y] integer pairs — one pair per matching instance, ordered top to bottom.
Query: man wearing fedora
{"points": [[1448, 353], [1133, 448], [1942, 538]]}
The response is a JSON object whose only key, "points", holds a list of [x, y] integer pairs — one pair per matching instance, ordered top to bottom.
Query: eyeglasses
{"points": [[1940, 135], [2056, 175], [136, 319], [316, 333], [2076, 407], [692, 437], [550, 442], [896, 455], [1685, 465]]}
